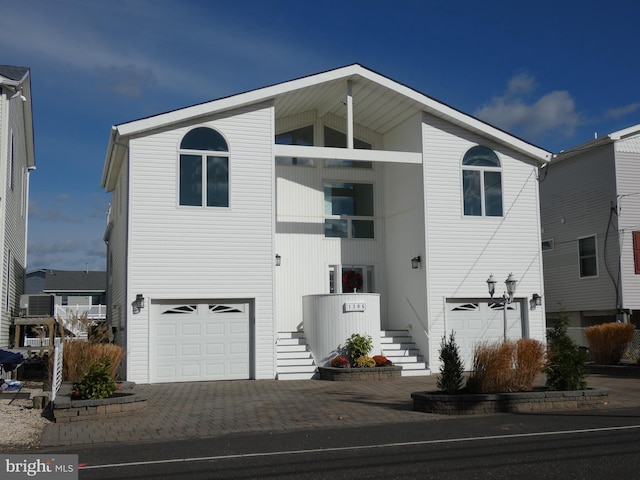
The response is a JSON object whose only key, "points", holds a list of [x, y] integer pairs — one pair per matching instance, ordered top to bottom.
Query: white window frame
{"points": [[350, 218]]}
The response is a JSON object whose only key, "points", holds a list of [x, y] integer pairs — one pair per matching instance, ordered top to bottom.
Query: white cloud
{"points": [[622, 111], [514, 112]]}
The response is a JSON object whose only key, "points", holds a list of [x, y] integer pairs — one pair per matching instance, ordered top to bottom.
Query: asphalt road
{"points": [[577, 445]]}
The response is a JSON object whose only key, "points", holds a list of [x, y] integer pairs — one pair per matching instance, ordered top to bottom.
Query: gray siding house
{"points": [[590, 210]]}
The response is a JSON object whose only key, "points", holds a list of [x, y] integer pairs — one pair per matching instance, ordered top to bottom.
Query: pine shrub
{"points": [[565, 365], [450, 379]]}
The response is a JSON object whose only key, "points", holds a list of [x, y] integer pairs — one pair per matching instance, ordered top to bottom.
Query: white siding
{"points": [[577, 197], [14, 214], [629, 217], [463, 251], [187, 252], [306, 253]]}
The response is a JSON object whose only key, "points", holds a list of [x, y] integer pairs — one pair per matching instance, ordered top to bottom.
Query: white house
{"points": [[16, 161], [590, 207], [239, 223]]}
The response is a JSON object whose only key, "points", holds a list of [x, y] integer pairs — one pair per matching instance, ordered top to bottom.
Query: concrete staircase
{"points": [[398, 346], [294, 360]]}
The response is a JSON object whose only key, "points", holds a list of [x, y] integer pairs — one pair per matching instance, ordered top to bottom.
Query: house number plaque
{"points": [[355, 307]]}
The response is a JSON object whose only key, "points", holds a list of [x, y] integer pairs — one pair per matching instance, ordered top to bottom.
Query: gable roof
{"points": [[18, 80], [382, 104], [598, 142], [58, 281]]}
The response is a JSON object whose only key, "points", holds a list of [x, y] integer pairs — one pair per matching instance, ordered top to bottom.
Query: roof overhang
{"points": [[22, 88], [380, 104], [598, 142]]}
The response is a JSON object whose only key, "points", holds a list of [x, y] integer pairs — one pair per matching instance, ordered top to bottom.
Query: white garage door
{"points": [[477, 321], [195, 341]]}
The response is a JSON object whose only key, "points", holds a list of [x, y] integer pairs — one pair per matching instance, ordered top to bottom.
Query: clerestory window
{"points": [[204, 169], [482, 183], [348, 209]]}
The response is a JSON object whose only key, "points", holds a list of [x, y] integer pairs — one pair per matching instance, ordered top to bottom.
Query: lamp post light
{"points": [[507, 296]]}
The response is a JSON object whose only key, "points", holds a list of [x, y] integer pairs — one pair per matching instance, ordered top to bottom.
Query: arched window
{"points": [[204, 169], [482, 182]]}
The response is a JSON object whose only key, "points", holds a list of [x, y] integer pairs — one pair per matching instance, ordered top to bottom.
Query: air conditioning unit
{"points": [[37, 305]]}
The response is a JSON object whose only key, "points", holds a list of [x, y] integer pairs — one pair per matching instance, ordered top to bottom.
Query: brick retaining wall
{"points": [[359, 374], [520, 402]]}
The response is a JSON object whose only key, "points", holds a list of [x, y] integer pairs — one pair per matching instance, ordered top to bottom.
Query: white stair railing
{"points": [[56, 379]]}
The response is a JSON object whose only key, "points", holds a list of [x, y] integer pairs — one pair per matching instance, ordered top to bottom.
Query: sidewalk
{"points": [[209, 409]]}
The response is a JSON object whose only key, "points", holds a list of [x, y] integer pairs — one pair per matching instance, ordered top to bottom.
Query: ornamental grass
{"points": [[608, 341], [506, 366]]}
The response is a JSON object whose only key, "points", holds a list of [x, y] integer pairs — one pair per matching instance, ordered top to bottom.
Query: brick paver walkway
{"points": [[209, 409]]}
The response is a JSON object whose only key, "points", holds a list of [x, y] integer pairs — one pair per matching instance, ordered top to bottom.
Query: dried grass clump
{"points": [[608, 341], [79, 355], [506, 366]]}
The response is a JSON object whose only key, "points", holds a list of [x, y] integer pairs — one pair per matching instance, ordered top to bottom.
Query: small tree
{"points": [[358, 346], [565, 367], [450, 379]]}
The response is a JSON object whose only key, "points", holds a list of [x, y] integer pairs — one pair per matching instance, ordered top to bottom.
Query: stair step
{"points": [[290, 335], [292, 341], [399, 346], [292, 348], [407, 352], [290, 355], [406, 360], [292, 362], [297, 369], [295, 376]]}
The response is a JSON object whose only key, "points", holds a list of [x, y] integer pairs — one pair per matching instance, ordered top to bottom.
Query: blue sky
{"points": [[552, 72]]}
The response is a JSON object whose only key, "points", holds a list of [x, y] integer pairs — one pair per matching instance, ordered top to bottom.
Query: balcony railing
{"points": [[69, 312]]}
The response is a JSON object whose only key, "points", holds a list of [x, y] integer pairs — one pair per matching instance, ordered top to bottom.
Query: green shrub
{"points": [[609, 341], [358, 346], [565, 366], [450, 379], [97, 382]]}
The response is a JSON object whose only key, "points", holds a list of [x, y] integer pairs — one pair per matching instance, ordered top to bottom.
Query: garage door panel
{"points": [[479, 321], [199, 341]]}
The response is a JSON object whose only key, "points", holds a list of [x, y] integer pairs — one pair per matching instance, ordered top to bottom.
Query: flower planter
{"points": [[359, 374], [518, 402]]}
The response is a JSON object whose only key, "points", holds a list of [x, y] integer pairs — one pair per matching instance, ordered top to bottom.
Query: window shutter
{"points": [[636, 252]]}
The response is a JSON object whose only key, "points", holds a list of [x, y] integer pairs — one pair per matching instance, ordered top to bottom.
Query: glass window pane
{"points": [[301, 136], [203, 138], [334, 138], [481, 157], [307, 162], [347, 163], [191, 180], [217, 182], [471, 192], [493, 194], [363, 199], [335, 228], [362, 228], [587, 246], [588, 267]]}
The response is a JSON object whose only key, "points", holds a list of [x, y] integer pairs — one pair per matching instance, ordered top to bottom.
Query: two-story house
{"points": [[16, 161], [590, 206], [306, 207]]}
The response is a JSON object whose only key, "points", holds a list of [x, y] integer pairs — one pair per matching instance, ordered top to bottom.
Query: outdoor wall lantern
{"points": [[278, 260], [415, 262], [507, 297], [536, 301], [138, 303]]}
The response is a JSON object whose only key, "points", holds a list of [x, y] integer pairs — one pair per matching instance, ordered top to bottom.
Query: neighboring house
{"points": [[16, 161], [590, 207], [239, 223], [75, 292], [67, 297]]}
